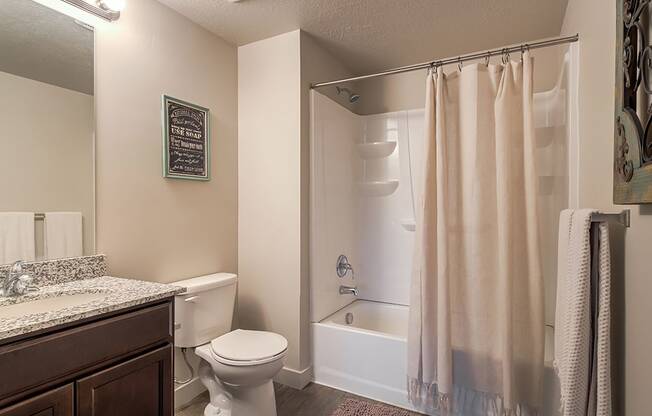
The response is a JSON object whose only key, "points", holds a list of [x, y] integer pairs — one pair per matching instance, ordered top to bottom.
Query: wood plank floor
{"points": [[314, 400]]}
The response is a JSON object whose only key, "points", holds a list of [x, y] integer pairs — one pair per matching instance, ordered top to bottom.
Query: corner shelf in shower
{"points": [[375, 150], [377, 188], [409, 225]]}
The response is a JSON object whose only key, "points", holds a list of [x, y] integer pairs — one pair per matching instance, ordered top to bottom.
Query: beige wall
{"points": [[391, 93], [49, 130], [273, 184], [269, 188], [150, 227], [632, 285]]}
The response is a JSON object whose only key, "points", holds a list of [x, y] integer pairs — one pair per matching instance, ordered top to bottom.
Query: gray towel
{"points": [[582, 322]]}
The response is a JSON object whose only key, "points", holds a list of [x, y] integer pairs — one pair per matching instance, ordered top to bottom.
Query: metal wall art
{"points": [[633, 116]]}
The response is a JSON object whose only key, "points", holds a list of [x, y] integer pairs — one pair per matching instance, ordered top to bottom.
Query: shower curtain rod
{"points": [[458, 59]]}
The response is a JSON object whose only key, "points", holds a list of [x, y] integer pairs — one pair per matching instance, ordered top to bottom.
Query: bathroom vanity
{"points": [[98, 346], [116, 365]]}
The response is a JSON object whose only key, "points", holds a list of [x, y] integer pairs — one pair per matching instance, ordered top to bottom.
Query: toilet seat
{"points": [[248, 348]]}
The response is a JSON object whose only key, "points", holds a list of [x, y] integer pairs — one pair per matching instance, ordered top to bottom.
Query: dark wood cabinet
{"points": [[116, 365], [138, 387], [57, 402]]}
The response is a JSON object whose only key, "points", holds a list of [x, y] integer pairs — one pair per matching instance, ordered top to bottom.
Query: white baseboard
{"points": [[297, 379], [184, 393]]}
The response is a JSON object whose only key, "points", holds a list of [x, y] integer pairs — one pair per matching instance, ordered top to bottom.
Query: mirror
{"points": [[47, 134]]}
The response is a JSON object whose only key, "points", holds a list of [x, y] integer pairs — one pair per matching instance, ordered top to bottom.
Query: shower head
{"points": [[353, 97]]}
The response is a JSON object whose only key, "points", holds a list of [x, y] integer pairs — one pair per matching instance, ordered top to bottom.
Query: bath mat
{"points": [[354, 407]]}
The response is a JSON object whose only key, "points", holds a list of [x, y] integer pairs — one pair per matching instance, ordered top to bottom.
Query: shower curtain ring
{"points": [[524, 48], [505, 56], [487, 58], [459, 63]]}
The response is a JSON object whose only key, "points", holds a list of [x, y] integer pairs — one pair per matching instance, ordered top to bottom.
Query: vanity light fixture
{"points": [[105, 9]]}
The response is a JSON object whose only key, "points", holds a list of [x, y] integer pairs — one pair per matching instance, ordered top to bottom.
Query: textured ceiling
{"points": [[370, 35], [39, 43]]}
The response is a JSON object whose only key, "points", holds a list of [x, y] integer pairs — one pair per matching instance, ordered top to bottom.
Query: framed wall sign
{"points": [[633, 116], [186, 140]]}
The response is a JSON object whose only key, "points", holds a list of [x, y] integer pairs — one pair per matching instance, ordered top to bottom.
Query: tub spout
{"points": [[348, 290]]}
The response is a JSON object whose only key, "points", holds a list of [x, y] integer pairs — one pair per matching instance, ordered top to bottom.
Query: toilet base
{"points": [[231, 400], [248, 401], [211, 410]]}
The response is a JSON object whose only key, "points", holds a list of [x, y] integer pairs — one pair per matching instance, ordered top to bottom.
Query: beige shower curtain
{"points": [[476, 335]]}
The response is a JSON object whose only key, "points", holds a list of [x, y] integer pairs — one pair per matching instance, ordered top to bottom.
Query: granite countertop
{"points": [[111, 294]]}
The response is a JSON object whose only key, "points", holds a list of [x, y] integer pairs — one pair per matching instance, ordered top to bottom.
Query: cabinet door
{"points": [[138, 387], [57, 402]]}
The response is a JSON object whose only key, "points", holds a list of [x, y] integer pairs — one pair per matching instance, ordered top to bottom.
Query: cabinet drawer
{"points": [[71, 352], [57, 402]]}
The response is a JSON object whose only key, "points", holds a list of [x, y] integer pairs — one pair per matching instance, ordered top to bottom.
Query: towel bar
{"points": [[621, 218]]}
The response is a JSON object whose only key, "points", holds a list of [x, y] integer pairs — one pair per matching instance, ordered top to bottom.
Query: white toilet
{"points": [[236, 367]]}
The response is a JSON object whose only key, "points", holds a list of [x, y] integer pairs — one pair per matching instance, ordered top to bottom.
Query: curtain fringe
{"points": [[562, 395], [462, 401]]}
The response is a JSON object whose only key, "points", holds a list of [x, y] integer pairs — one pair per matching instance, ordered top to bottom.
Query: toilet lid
{"points": [[245, 345]]}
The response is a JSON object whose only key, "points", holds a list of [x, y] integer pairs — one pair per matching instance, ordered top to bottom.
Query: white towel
{"points": [[62, 235], [16, 237], [582, 353]]}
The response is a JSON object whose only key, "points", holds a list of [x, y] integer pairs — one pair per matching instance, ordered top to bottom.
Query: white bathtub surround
{"points": [[334, 171], [361, 203], [583, 319], [476, 331]]}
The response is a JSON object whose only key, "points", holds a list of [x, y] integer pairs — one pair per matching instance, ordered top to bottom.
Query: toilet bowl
{"points": [[236, 367], [239, 381]]}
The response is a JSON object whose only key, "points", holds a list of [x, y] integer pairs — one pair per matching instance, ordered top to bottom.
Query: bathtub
{"points": [[367, 356]]}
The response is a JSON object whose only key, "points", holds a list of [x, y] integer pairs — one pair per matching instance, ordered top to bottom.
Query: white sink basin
{"points": [[48, 304]]}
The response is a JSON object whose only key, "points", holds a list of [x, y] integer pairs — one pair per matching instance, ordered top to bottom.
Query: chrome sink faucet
{"points": [[17, 283]]}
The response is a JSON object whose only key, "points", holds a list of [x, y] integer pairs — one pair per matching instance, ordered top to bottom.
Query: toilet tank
{"points": [[205, 310]]}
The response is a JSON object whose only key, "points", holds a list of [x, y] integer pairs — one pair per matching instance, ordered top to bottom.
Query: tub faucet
{"points": [[343, 267], [17, 283], [348, 290]]}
